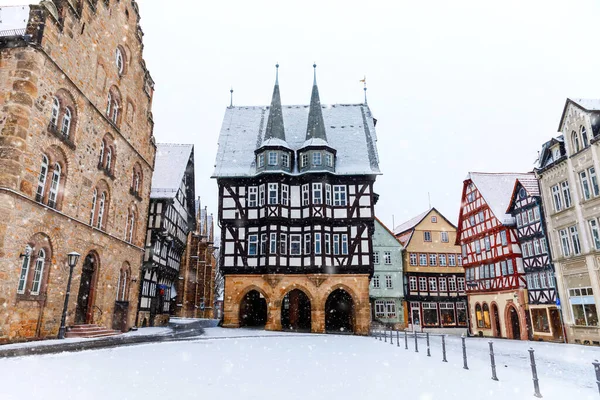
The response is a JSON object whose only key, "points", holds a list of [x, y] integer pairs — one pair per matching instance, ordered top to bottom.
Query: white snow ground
{"points": [[251, 364]]}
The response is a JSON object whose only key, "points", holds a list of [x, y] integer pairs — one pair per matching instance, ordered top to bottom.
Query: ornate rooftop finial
{"points": [[364, 81], [231, 97], [316, 125], [275, 128]]}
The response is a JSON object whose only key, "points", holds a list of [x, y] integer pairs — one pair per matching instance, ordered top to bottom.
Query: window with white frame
{"points": [[119, 60], [55, 112], [272, 158], [316, 158], [329, 159], [261, 160], [285, 160], [303, 160], [594, 182], [585, 185], [273, 193], [317, 193], [566, 193], [328, 194], [285, 195], [305, 195], [339, 195], [252, 196], [261, 197], [556, 198], [433, 219], [519, 221], [595, 231], [427, 236], [444, 237], [575, 239], [486, 241], [564, 241], [283, 243], [307, 243], [317, 243], [327, 243], [263, 244], [273, 244], [336, 244], [344, 244], [252, 245], [295, 245], [544, 245], [477, 247], [536, 247], [375, 257], [387, 257], [413, 259], [422, 259], [433, 260], [442, 260], [451, 260], [459, 260], [38, 272], [376, 282], [388, 282], [412, 282], [452, 283], [422, 284], [433, 284], [461, 284], [443, 286], [583, 306], [379, 307], [390, 308], [430, 314]]}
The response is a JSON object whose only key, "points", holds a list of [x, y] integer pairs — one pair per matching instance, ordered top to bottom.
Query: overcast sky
{"points": [[456, 86]]}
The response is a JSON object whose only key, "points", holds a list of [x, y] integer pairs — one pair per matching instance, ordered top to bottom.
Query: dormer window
{"points": [[556, 153], [272, 158], [316, 158], [329, 159], [261, 160], [285, 160], [304, 160]]}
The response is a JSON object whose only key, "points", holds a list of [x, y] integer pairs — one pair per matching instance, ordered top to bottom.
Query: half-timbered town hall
{"points": [[296, 211]]}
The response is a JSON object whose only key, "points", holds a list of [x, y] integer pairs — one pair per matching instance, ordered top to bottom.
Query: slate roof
{"points": [[349, 130], [169, 167], [496, 189], [411, 223]]}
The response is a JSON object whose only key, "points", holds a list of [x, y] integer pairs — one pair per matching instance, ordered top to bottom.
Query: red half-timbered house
{"points": [[526, 207], [496, 285]]}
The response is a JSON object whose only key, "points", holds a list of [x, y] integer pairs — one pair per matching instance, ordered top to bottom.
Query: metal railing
{"points": [[12, 32]]}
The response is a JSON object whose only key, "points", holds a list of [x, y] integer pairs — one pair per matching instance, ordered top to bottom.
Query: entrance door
{"points": [[253, 310], [295, 311], [339, 312], [83, 314], [416, 317], [514, 323], [557, 329], [497, 330]]}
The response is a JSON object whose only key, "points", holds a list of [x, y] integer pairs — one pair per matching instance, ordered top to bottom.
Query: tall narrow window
{"points": [[119, 61], [108, 105], [55, 112], [115, 112], [66, 123], [584, 136], [575, 141], [272, 158], [316, 158], [329, 159], [101, 160], [261, 160], [285, 160], [303, 160], [108, 165], [54, 185], [585, 185], [41, 188], [272, 193], [317, 193], [566, 193], [328, 194], [261, 195], [285, 195], [305, 195], [339, 195], [252, 196], [556, 198], [94, 200], [101, 210], [131, 227], [595, 233], [427, 236], [575, 240], [486, 241], [273, 243], [283, 243], [307, 243], [317, 243], [327, 243], [263, 244], [336, 244], [344, 244], [252, 245], [295, 245], [375, 257], [387, 257], [413, 259], [24, 271], [38, 272], [388, 282], [413, 283], [124, 286]]}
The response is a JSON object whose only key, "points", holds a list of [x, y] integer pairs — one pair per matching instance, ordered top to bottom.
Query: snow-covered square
{"points": [[256, 364]]}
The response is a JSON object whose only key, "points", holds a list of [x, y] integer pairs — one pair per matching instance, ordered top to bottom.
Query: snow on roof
{"points": [[13, 18], [588, 104], [350, 131], [275, 142], [315, 142], [169, 168], [530, 184], [496, 189], [411, 223]]}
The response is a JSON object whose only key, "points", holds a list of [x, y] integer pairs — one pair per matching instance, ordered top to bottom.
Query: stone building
{"points": [[76, 161], [571, 196], [296, 207], [171, 218], [494, 270], [433, 274], [196, 284], [386, 292]]}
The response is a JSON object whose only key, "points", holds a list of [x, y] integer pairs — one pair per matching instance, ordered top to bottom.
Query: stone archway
{"points": [[253, 310], [296, 311], [339, 312], [496, 320], [512, 322]]}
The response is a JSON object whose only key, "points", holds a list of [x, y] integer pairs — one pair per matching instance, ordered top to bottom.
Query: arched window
{"points": [[119, 60], [108, 104], [113, 107], [55, 112], [115, 112], [66, 123], [584, 136], [575, 139], [108, 159], [101, 160], [136, 182], [54, 185], [41, 188], [94, 200], [101, 210], [131, 226], [24, 270], [38, 272], [124, 284], [479, 315], [486, 316]]}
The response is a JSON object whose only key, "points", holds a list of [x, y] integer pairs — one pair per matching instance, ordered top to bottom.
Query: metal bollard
{"points": [[385, 335], [391, 337], [398, 338], [380, 339], [405, 340], [416, 343], [444, 348], [464, 349], [428, 350], [493, 361], [596, 365], [536, 384]]}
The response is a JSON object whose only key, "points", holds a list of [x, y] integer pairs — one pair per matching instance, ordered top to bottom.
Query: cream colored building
{"points": [[567, 169]]}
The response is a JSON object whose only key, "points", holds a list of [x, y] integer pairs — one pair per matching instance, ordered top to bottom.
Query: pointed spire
{"points": [[231, 97], [316, 125], [275, 128]]}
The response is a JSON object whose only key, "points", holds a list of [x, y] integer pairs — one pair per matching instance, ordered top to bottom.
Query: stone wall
{"points": [[317, 287]]}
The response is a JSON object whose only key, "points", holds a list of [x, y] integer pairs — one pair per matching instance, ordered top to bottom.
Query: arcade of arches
{"points": [[305, 303], [499, 315]]}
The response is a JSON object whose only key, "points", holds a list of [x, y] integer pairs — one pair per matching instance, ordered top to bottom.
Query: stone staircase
{"points": [[90, 331]]}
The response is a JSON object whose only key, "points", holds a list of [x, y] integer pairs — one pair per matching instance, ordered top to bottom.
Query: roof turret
{"points": [[316, 126], [275, 128]]}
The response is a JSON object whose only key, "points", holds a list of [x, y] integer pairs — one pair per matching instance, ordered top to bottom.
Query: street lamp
{"points": [[72, 259]]}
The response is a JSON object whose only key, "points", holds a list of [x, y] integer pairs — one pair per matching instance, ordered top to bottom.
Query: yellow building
{"points": [[433, 273]]}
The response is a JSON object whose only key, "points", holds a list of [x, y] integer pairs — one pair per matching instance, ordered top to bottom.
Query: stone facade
{"points": [[60, 191], [317, 287]]}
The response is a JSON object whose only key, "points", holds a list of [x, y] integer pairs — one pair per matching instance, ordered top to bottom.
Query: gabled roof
{"points": [[584, 104], [349, 127], [546, 157], [169, 168], [530, 185], [496, 189], [412, 223], [388, 230]]}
